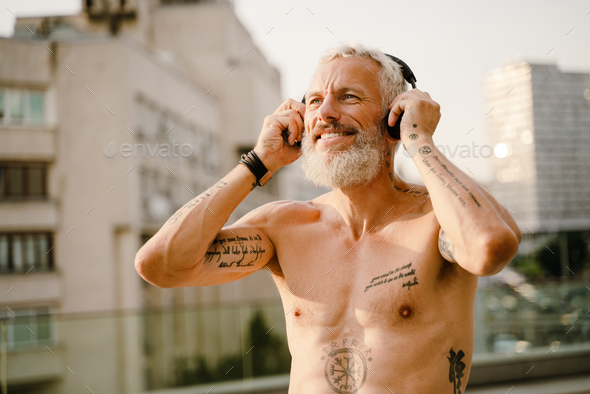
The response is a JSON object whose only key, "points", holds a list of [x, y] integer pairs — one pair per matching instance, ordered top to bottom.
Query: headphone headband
{"points": [[406, 72]]}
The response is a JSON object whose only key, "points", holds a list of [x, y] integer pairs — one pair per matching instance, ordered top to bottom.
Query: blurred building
{"points": [[110, 120], [539, 122]]}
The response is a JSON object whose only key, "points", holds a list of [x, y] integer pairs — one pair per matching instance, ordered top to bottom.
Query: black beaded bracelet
{"points": [[257, 167]]}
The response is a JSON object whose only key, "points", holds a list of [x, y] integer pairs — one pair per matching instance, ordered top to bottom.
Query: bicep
{"points": [[236, 252]]}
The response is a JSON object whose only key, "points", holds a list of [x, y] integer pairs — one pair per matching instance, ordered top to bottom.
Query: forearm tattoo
{"points": [[425, 150], [451, 187], [195, 201]]}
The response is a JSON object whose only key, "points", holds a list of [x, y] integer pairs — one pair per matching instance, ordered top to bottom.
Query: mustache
{"points": [[335, 127]]}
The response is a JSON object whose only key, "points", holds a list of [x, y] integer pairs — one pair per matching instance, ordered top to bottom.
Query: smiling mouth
{"points": [[326, 136]]}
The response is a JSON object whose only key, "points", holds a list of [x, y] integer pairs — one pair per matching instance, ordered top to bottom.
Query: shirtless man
{"points": [[377, 277]]}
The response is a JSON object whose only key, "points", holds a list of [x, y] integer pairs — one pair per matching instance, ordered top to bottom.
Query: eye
{"points": [[350, 96], [314, 101]]}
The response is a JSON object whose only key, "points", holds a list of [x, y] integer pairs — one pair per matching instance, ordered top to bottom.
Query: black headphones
{"points": [[409, 76], [394, 131]]}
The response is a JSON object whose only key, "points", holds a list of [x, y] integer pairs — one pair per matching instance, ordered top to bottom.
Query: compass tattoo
{"points": [[346, 368]]}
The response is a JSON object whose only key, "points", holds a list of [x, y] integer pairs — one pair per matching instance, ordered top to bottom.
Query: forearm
{"points": [[506, 214], [475, 223], [183, 240]]}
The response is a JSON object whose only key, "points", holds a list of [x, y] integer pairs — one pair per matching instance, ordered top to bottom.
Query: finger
{"points": [[396, 99], [290, 104], [285, 105], [396, 110], [301, 111], [286, 112], [289, 113], [279, 123], [300, 126], [293, 130]]}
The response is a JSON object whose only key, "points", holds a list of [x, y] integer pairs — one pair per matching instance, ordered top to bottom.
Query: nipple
{"points": [[405, 312]]}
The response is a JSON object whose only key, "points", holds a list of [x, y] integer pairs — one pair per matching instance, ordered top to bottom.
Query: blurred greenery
{"points": [[545, 261], [528, 265], [269, 355]]}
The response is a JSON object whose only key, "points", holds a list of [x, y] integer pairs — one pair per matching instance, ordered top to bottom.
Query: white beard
{"points": [[341, 167]]}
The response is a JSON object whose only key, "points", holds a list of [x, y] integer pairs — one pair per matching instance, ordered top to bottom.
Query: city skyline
{"points": [[292, 36]]}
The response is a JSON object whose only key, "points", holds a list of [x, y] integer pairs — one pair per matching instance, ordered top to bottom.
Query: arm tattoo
{"points": [[425, 150], [449, 186], [195, 201], [446, 248], [235, 251]]}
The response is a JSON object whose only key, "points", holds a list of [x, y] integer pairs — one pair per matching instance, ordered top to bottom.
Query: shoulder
{"points": [[416, 196], [283, 212]]}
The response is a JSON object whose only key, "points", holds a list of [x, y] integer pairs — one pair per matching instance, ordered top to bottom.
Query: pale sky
{"points": [[448, 44]]}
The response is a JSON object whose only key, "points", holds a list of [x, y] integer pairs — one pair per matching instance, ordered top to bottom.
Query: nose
{"points": [[328, 110]]}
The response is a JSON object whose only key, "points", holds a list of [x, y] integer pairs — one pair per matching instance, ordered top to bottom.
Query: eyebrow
{"points": [[346, 88]]}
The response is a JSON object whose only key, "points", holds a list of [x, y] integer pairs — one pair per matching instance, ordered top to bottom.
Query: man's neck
{"points": [[373, 204]]}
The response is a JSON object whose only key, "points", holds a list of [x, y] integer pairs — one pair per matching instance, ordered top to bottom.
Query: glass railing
{"points": [[521, 317], [166, 349]]}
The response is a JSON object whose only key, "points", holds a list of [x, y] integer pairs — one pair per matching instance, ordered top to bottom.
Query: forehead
{"points": [[341, 73]]}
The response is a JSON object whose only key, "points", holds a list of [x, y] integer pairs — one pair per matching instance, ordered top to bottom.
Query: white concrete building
{"points": [[539, 121], [540, 127], [102, 137]]}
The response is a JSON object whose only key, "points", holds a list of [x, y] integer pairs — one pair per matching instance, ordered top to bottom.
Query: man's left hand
{"points": [[421, 116]]}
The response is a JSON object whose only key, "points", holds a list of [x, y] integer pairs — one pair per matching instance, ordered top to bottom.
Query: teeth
{"points": [[331, 135]]}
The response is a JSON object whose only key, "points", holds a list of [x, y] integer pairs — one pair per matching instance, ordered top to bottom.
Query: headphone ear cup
{"points": [[394, 131]]}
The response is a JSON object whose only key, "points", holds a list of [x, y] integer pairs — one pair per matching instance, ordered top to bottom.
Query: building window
{"points": [[22, 106], [23, 180], [25, 252], [28, 327]]}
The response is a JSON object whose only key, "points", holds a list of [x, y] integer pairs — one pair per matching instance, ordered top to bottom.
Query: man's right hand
{"points": [[271, 148]]}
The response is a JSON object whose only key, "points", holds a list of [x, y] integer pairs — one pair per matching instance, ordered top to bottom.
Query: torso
{"points": [[380, 314]]}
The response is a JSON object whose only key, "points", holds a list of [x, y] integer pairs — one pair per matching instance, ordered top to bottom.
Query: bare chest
{"points": [[386, 277]]}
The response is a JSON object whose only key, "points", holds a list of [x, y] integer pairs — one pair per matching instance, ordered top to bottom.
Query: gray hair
{"points": [[391, 79]]}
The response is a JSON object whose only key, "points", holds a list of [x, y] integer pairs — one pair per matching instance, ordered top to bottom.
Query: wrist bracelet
{"points": [[257, 167]]}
